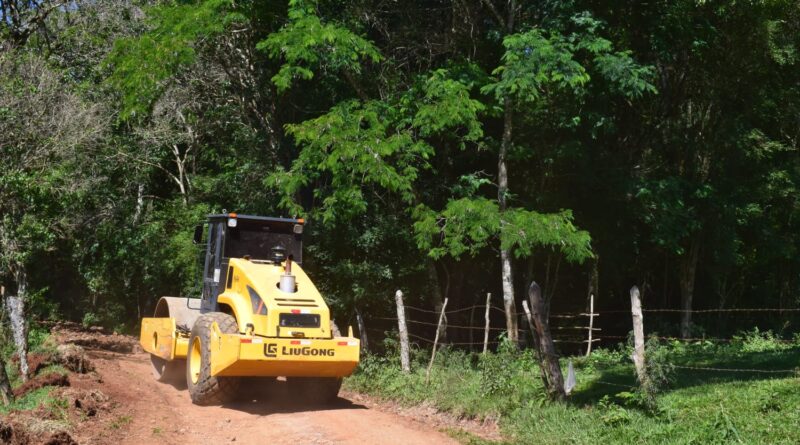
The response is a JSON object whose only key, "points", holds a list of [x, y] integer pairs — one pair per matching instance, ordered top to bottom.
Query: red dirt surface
{"points": [[36, 362], [51, 379], [120, 403], [145, 411]]}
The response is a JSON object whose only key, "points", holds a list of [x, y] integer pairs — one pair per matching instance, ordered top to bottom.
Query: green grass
{"points": [[40, 342], [50, 369], [30, 400], [692, 406], [120, 422], [469, 438]]}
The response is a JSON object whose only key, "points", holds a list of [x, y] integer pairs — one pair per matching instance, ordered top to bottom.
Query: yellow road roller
{"points": [[259, 315]]}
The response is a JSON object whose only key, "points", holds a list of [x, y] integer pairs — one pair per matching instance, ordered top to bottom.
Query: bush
{"points": [[90, 319], [757, 341], [657, 365], [496, 372]]}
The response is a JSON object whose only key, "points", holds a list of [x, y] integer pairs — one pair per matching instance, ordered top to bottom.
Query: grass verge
{"points": [[40, 342], [693, 406]]}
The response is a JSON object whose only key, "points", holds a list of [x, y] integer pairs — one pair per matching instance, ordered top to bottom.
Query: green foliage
{"points": [[306, 44], [536, 62], [141, 66], [446, 105], [124, 124], [355, 145], [376, 145], [671, 210], [467, 225], [523, 230], [156, 255], [39, 307], [90, 319], [39, 339], [757, 341], [658, 367], [498, 371], [659, 371], [458, 383], [29, 401], [696, 406], [614, 415], [120, 422]]}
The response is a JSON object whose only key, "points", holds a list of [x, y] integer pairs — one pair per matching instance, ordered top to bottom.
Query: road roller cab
{"points": [[258, 314]]}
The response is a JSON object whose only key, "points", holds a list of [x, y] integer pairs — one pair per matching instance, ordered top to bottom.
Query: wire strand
{"points": [[706, 311], [763, 371]]}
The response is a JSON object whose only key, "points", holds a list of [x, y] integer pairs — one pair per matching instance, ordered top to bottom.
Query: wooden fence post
{"points": [[591, 324], [401, 326], [486, 329], [638, 337], [435, 341], [536, 344], [549, 359]]}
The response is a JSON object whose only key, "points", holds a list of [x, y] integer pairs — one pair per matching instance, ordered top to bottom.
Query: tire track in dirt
{"points": [[146, 411]]}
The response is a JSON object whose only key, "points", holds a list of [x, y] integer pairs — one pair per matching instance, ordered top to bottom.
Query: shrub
{"points": [[90, 319], [757, 341]]}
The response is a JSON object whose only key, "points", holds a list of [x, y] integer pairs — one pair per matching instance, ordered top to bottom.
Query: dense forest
{"points": [[445, 148]]}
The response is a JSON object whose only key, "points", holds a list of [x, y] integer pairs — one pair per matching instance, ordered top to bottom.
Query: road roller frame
{"points": [[259, 315]]}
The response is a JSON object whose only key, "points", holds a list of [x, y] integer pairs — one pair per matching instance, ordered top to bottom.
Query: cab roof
{"points": [[225, 216]]}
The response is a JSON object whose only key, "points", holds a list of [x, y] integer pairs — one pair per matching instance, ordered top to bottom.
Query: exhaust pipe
{"points": [[288, 283]]}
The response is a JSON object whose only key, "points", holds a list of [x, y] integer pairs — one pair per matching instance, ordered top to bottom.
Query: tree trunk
{"points": [[137, 214], [688, 272], [594, 277], [552, 282], [509, 302], [19, 326], [362, 332], [638, 339], [5, 386]]}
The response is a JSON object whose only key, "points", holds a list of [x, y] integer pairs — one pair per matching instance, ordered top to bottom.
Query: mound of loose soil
{"points": [[73, 333], [73, 357], [36, 362], [40, 381], [88, 402], [51, 423], [24, 430], [11, 434], [60, 438]]}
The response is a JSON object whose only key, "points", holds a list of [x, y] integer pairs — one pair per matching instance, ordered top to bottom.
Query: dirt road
{"points": [[147, 412]]}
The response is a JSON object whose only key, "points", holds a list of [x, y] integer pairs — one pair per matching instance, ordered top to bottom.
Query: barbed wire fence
{"points": [[572, 328]]}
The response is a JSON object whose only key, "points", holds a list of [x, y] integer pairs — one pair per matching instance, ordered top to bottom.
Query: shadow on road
{"points": [[257, 395], [265, 396]]}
